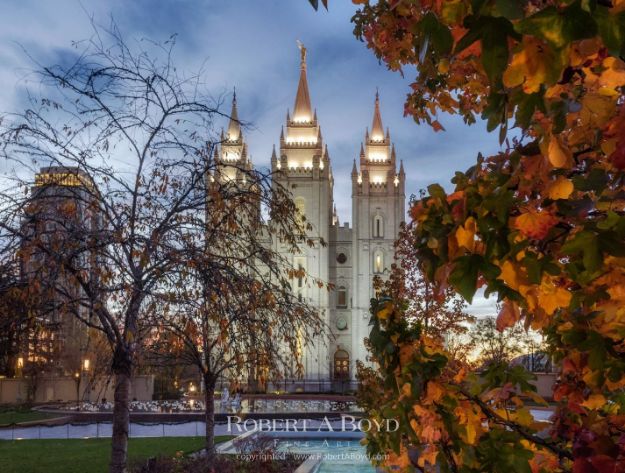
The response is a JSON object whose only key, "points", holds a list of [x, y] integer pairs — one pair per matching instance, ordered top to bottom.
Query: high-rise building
{"points": [[61, 220]]}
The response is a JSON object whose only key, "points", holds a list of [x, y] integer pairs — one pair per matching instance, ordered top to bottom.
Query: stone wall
{"points": [[65, 389]]}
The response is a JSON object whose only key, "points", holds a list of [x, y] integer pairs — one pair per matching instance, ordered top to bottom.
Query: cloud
{"points": [[251, 45]]}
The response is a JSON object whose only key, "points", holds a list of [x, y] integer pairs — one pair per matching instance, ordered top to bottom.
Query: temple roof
{"points": [[302, 111], [234, 127], [377, 130]]}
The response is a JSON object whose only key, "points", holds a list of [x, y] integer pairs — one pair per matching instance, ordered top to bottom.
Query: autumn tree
{"points": [[131, 138], [541, 225], [441, 312], [235, 313], [493, 346]]}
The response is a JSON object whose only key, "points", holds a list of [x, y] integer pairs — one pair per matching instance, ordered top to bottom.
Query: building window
{"points": [[300, 205], [378, 227], [378, 262], [300, 276], [341, 299], [341, 364]]}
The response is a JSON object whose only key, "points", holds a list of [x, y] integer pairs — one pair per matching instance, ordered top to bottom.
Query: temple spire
{"points": [[302, 111], [234, 127], [377, 130]]}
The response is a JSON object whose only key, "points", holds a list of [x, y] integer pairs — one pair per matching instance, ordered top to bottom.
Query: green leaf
{"points": [[510, 9], [559, 27], [612, 30], [439, 34], [495, 51], [596, 180], [436, 190], [586, 244], [464, 275]]}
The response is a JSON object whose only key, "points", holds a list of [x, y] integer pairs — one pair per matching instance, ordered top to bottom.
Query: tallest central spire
{"points": [[302, 112]]}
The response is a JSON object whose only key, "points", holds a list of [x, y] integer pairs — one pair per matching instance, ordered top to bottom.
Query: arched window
{"points": [[300, 205], [378, 226], [378, 262], [341, 297], [341, 364]]}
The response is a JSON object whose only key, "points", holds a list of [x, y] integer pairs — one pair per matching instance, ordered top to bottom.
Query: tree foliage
{"points": [[541, 225], [130, 226]]}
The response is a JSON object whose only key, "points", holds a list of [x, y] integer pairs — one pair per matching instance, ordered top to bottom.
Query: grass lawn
{"points": [[22, 415], [85, 455]]}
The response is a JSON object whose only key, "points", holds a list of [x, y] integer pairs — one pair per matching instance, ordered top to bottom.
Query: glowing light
{"points": [[301, 119], [377, 137], [301, 140], [231, 156], [377, 157], [279, 165], [308, 165], [321, 165], [359, 178], [396, 181], [20, 362], [85, 364], [191, 388]]}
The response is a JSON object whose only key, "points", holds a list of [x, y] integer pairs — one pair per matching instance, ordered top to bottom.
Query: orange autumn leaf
{"points": [[559, 155], [561, 188], [535, 223], [508, 315], [434, 392]]}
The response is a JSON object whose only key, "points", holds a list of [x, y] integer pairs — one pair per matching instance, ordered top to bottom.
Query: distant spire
{"points": [[302, 111], [234, 128], [377, 130], [362, 151], [273, 153], [401, 167], [354, 169]]}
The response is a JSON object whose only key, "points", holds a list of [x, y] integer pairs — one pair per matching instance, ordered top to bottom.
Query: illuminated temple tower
{"points": [[304, 166], [378, 209]]}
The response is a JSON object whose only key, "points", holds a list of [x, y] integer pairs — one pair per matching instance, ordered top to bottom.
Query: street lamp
{"points": [[77, 380]]}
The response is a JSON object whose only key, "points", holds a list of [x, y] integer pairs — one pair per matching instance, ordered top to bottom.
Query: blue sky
{"points": [[251, 45]]}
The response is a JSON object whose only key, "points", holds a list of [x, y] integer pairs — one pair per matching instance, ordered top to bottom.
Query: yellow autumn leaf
{"points": [[531, 67], [614, 73], [596, 110], [559, 155], [561, 188], [465, 235], [509, 275], [552, 297], [386, 311], [406, 390], [594, 401], [524, 417], [427, 456]]}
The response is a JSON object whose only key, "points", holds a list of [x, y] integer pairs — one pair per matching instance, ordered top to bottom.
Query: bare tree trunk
{"points": [[209, 400], [121, 413]]}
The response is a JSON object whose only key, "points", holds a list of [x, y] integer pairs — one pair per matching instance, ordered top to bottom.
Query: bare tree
{"points": [[129, 137]]}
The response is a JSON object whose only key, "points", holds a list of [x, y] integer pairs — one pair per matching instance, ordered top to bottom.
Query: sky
{"points": [[251, 45]]}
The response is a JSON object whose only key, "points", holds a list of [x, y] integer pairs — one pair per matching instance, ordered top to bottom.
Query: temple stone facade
{"points": [[353, 255]]}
